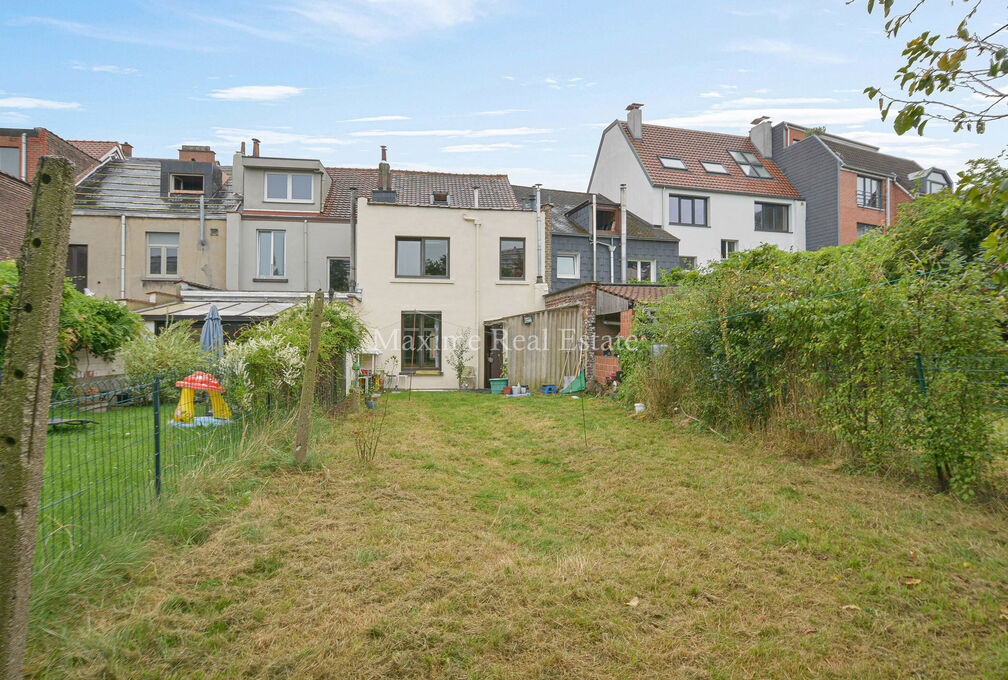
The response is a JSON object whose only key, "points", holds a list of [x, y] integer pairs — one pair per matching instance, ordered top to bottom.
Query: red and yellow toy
{"points": [[186, 411]]}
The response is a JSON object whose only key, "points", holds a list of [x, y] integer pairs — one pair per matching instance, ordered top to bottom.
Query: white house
{"points": [[713, 191]]}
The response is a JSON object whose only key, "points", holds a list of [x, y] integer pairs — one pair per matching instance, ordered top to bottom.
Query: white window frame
{"points": [[672, 163], [715, 168], [290, 187], [193, 192], [274, 232], [728, 247], [164, 255], [690, 260], [635, 262], [577, 266]]}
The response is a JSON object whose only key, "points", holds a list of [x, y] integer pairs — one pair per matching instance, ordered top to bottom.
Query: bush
{"points": [[99, 326], [762, 341], [175, 352]]}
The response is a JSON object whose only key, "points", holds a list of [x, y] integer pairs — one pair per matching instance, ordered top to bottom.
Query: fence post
{"points": [[921, 380], [308, 384], [25, 395], [157, 436], [943, 473]]}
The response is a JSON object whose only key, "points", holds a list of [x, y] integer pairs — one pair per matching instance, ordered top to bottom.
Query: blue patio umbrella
{"points": [[212, 337]]}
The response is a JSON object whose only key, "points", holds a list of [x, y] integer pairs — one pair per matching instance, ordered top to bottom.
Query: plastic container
{"points": [[497, 385]]}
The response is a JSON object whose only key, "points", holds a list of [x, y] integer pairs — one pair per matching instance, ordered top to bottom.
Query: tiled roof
{"points": [[693, 146], [94, 148], [861, 158], [133, 185], [414, 188], [566, 223], [637, 292]]}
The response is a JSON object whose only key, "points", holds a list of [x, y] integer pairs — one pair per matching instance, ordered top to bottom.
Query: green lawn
{"points": [[486, 541]]}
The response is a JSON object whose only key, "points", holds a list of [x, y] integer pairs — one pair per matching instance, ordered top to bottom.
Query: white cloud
{"points": [[373, 20], [129, 37], [786, 49], [106, 68], [508, 77], [550, 81], [256, 93], [711, 95], [33, 103], [13, 118], [374, 119], [273, 136], [479, 148]]}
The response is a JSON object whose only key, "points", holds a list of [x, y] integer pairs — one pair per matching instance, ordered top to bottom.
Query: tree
{"points": [[936, 65]]}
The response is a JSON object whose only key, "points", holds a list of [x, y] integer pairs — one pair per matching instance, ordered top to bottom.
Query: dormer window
{"points": [[672, 163], [750, 164], [715, 168], [935, 182], [187, 184], [289, 186], [439, 198]]}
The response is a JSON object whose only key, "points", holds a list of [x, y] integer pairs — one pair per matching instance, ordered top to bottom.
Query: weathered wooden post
{"points": [[308, 385], [24, 397]]}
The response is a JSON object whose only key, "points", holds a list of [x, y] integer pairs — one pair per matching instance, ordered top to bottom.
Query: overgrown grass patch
{"points": [[486, 541]]}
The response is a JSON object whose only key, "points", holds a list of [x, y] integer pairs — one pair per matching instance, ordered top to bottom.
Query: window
{"points": [[10, 160], [672, 163], [750, 164], [716, 168], [935, 182], [187, 184], [287, 186], [869, 192], [439, 198], [688, 210], [771, 217], [863, 228], [727, 248], [162, 254], [271, 254], [422, 257], [512, 258], [687, 261], [568, 266], [76, 269], [641, 270], [339, 274], [421, 342]]}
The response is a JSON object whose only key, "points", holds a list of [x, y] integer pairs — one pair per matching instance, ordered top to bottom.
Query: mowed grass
{"points": [[486, 541]]}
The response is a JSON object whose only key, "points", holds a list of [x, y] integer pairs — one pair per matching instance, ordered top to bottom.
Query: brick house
{"points": [[851, 187], [14, 198], [570, 258], [607, 312]]}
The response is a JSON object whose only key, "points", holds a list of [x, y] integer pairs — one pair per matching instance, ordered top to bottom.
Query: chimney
{"points": [[634, 121], [761, 136], [255, 148], [127, 149], [242, 152], [197, 154], [384, 193], [476, 197]]}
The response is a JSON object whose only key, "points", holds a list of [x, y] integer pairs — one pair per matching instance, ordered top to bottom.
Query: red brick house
{"points": [[14, 198]]}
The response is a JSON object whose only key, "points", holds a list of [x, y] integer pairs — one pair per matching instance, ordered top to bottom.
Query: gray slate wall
{"points": [[814, 172], [665, 253]]}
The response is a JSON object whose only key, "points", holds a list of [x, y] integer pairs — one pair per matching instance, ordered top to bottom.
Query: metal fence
{"points": [[988, 376], [114, 448]]}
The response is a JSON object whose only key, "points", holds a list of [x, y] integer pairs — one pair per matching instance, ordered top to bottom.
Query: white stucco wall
{"points": [[617, 164], [324, 240], [465, 300]]}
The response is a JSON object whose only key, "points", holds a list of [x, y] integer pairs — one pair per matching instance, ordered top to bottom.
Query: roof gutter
{"points": [[24, 156], [539, 236]]}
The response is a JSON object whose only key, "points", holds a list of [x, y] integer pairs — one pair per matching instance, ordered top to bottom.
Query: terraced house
{"points": [[715, 192]]}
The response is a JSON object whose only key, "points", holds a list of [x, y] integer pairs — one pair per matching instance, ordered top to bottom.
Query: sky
{"points": [[503, 86]]}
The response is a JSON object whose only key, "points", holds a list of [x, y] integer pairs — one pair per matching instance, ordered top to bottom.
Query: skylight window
{"points": [[672, 163], [750, 164], [716, 168], [439, 198]]}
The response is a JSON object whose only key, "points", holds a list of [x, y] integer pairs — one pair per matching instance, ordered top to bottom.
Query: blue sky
{"points": [[458, 85]]}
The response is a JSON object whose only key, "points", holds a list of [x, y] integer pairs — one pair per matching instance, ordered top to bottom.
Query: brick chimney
{"points": [[634, 121], [255, 148], [127, 149], [199, 154], [384, 193]]}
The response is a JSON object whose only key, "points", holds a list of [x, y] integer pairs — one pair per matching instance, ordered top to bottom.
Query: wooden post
{"points": [[308, 385], [24, 397]]}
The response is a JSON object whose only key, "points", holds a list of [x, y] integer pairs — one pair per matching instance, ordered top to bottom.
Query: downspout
{"points": [[24, 156], [888, 192], [202, 222], [594, 228], [623, 230], [539, 235], [353, 239], [306, 255], [122, 256], [476, 288]]}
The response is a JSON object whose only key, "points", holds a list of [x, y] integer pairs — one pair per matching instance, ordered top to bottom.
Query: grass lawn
{"points": [[486, 542]]}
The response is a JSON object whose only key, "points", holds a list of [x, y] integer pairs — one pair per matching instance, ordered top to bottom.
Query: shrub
{"points": [[762, 341], [174, 352]]}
